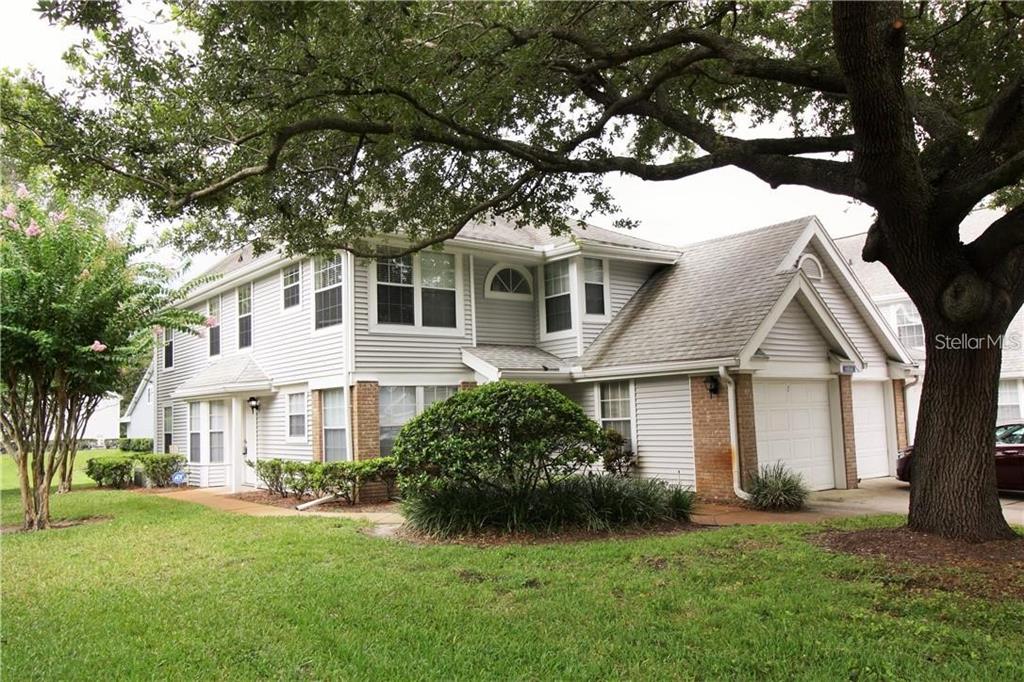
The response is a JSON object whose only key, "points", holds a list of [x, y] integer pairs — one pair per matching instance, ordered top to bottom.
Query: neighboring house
{"points": [[902, 315], [761, 344], [138, 417], [103, 424]]}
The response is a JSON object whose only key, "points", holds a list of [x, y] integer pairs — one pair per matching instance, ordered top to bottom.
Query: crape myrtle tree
{"points": [[324, 126], [78, 308]]}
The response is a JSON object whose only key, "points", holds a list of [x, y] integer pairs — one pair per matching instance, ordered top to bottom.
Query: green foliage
{"points": [[504, 435], [135, 444], [617, 458], [160, 467], [111, 472], [271, 473], [299, 479], [775, 488], [588, 502]]}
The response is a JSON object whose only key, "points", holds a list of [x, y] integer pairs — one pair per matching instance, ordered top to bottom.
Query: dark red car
{"points": [[1009, 458]]}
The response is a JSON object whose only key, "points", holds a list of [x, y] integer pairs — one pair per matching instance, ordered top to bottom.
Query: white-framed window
{"points": [[811, 266], [510, 282], [291, 285], [594, 287], [418, 291], [557, 297], [327, 298], [245, 315], [213, 324], [909, 327], [168, 349], [1009, 401], [399, 404], [332, 407], [616, 409], [297, 416], [218, 422], [168, 428], [195, 433]]}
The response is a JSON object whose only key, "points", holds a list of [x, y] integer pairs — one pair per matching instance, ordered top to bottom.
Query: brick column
{"points": [[467, 385], [899, 394], [365, 419], [316, 426], [746, 431], [849, 445], [712, 450]]}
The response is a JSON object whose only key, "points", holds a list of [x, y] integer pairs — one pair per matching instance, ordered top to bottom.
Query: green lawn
{"points": [[171, 590]]}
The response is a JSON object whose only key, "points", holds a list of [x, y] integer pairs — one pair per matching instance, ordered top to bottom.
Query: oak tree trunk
{"points": [[953, 490]]}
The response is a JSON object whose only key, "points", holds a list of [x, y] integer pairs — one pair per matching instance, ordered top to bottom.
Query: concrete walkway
{"points": [[223, 499]]}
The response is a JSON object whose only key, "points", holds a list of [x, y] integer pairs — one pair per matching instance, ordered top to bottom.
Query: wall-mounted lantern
{"points": [[711, 383]]}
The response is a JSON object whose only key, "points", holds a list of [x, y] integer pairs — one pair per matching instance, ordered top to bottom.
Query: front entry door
{"points": [[249, 448]]}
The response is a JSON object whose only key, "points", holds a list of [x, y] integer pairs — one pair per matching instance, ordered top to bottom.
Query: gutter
{"points": [[734, 439]]}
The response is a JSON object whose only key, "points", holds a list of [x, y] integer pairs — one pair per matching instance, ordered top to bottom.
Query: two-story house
{"points": [[901, 314], [712, 358]]}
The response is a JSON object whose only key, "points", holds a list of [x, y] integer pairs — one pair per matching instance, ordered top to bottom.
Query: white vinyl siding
{"points": [[501, 320], [795, 338], [664, 430], [335, 435]]}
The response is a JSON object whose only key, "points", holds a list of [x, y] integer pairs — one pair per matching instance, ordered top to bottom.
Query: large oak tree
{"points": [[321, 126]]}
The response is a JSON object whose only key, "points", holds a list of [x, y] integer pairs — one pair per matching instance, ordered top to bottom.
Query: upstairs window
{"points": [[593, 281], [509, 282], [291, 285], [437, 289], [327, 291], [395, 291], [557, 303], [245, 315], [213, 324], [909, 327], [168, 349], [616, 412]]}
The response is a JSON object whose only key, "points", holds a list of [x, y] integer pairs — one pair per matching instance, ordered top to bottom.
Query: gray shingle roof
{"points": [[503, 231], [704, 307], [516, 358], [234, 372]]}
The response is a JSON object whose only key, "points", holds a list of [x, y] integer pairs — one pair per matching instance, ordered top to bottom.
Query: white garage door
{"points": [[794, 427], [869, 430]]}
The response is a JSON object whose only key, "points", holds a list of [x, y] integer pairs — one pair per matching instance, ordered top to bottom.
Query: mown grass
{"points": [[170, 590]]}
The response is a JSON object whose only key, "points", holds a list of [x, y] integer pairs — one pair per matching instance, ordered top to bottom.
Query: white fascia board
{"points": [[479, 366], [652, 369], [561, 376], [260, 387]]}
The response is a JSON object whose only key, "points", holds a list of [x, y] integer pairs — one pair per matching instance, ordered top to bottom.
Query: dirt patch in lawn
{"points": [[273, 500], [56, 524], [498, 539], [990, 570]]}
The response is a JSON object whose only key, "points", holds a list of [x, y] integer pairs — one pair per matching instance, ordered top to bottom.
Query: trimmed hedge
{"points": [[135, 444], [159, 468], [112, 471], [299, 479], [589, 502]]}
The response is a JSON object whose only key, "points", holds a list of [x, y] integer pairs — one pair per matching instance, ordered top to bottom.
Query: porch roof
{"points": [[507, 361], [233, 374]]}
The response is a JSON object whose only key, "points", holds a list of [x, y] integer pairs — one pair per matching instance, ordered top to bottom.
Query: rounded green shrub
{"points": [[504, 436], [159, 468], [111, 471], [776, 488]]}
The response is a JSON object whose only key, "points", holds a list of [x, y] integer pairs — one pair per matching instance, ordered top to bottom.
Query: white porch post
{"points": [[237, 426]]}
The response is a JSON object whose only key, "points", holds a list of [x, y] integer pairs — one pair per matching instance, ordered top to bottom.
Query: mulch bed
{"points": [[274, 500], [56, 524], [499, 539], [990, 570]]}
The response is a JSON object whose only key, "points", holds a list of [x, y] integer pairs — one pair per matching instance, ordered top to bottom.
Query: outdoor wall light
{"points": [[711, 383], [254, 404]]}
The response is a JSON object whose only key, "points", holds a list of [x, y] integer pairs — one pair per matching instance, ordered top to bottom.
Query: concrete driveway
{"points": [[889, 496]]}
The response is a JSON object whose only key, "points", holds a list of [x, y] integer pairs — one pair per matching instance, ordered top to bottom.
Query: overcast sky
{"points": [[701, 207]]}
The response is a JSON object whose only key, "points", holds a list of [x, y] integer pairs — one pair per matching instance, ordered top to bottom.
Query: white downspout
{"points": [[734, 438]]}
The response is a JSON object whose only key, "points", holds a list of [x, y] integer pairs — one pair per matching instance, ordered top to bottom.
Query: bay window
{"points": [[593, 284], [557, 299], [327, 301], [616, 409], [217, 424], [194, 433]]}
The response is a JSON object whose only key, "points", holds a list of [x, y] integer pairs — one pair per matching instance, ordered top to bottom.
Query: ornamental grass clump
{"points": [[776, 488]]}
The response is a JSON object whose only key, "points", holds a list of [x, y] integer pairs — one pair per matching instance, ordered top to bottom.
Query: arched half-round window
{"points": [[811, 266], [509, 282]]}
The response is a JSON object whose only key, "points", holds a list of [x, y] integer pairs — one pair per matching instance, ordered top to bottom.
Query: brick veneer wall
{"points": [[466, 385], [899, 388], [365, 419], [315, 425], [745, 429], [849, 444], [712, 449]]}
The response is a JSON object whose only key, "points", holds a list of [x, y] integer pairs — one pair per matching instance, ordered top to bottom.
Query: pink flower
{"points": [[22, 191], [11, 212], [57, 216], [33, 229], [210, 321], [157, 330], [98, 347]]}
